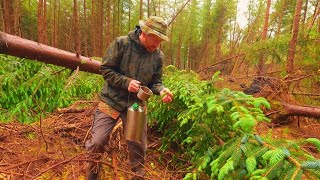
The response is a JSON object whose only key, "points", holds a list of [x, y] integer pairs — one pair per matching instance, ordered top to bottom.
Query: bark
{"points": [[148, 7], [141, 9], [305, 9], [179, 11], [17, 15], [1, 16], [8, 16], [129, 16], [314, 17], [42, 22], [40, 25], [45, 25], [108, 25], [100, 26], [55, 28], [93, 30], [85, 35], [76, 40], [293, 41], [17, 46], [178, 58], [261, 64], [295, 110]]}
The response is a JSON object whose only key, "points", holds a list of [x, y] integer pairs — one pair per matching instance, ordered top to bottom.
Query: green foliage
{"points": [[29, 89], [201, 117]]}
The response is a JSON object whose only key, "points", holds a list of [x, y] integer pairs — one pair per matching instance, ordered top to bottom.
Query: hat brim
{"points": [[149, 30]]}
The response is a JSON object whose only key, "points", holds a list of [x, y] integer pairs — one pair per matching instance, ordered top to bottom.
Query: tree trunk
{"points": [[141, 9], [305, 9], [17, 15], [1, 16], [8, 16], [129, 16], [281, 17], [314, 17], [42, 22], [58, 23], [108, 24], [40, 25], [45, 25], [55, 28], [93, 30], [76, 34], [85, 35], [100, 35], [293, 41], [17, 46], [178, 58], [261, 64], [295, 110]]}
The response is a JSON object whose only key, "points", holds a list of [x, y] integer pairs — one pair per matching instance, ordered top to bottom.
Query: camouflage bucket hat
{"points": [[155, 25]]}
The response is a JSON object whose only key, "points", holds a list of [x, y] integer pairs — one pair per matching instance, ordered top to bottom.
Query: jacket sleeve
{"points": [[111, 64], [157, 86]]}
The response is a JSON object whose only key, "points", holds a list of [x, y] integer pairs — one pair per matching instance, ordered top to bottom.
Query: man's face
{"points": [[152, 42]]}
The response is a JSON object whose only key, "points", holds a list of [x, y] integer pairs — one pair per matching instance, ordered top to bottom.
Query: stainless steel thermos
{"points": [[137, 116], [136, 121]]}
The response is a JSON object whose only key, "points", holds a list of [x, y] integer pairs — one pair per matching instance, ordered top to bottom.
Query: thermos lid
{"points": [[135, 106]]}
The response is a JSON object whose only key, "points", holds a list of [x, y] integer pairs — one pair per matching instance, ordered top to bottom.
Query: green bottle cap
{"points": [[135, 106]]}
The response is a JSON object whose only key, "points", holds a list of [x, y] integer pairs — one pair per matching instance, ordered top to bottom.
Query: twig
{"points": [[178, 12], [227, 59], [72, 78], [299, 78], [306, 94], [116, 127], [41, 132], [87, 134], [23, 163], [114, 163], [110, 165], [51, 167], [19, 174]]}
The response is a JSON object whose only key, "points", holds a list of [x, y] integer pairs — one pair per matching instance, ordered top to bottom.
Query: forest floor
{"points": [[54, 147]]}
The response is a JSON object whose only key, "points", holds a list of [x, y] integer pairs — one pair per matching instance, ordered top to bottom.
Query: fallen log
{"points": [[24, 48], [306, 111]]}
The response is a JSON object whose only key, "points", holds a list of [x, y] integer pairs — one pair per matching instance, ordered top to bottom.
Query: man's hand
{"points": [[134, 86], [166, 95]]}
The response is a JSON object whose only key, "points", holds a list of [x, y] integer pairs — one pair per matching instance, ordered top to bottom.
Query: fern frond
{"points": [[315, 142], [260, 152], [277, 156], [251, 164], [311, 165], [226, 168], [274, 170], [294, 174]]}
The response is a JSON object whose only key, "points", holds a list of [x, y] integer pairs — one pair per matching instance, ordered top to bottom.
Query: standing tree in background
{"points": [[8, 16], [42, 22], [55, 23], [108, 23], [85, 29], [76, 34], [293, 41], [261, 64]]}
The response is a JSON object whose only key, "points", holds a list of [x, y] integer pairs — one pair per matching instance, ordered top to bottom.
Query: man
{"points": [[131, 61]]}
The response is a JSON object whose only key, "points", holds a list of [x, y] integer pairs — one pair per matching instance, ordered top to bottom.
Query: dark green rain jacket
{"points": [[126, 59]]}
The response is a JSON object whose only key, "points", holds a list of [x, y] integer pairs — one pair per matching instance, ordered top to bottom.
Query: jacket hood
{"points": [[134, 36]]}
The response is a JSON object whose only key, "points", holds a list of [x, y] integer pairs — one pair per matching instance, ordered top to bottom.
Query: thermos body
{"points": [[136, 121]]}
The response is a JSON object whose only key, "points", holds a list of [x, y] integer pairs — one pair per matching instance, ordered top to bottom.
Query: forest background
{"points": [[283, 32], [278, 44]]}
